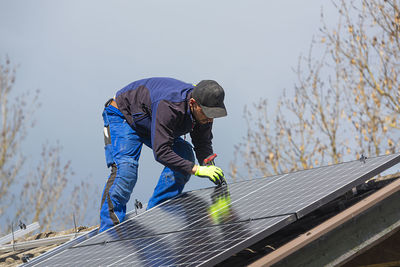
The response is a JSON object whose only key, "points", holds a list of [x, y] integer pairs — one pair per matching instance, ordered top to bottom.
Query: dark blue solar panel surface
{"points": [[187, 231], [184, 248]]}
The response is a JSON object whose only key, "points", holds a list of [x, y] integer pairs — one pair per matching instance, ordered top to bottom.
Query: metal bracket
{"points": [[363, 158], [138, 205], [22, 225]]}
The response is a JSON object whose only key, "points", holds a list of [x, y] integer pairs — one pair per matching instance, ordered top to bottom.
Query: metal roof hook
{"points": [[363, 158], [138, 205], [22, 225], [26, 258]]}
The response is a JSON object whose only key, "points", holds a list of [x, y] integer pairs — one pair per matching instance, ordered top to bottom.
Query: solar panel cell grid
{"points": [[200, 245], [166, 249]]}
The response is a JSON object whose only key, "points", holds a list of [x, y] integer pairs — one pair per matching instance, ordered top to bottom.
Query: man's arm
{"points": [[165, 118], [202, 141]]}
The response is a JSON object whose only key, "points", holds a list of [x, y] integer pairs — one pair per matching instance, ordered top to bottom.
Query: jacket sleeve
{"points": [[165, 119], [202, 141]]}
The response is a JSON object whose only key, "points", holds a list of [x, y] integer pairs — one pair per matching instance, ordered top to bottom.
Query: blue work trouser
{"points": [[123, 147]]}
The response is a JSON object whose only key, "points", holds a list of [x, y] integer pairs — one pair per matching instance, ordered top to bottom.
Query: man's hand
{"points": [[211, 172]]}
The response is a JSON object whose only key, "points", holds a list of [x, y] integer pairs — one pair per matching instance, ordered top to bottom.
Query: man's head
{"points": [[207, 101]]}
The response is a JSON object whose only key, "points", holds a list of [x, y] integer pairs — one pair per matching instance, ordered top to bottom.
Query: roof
{"points": [[299, 241], [17, 257]]}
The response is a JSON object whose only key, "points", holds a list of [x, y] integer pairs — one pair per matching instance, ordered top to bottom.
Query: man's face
{"points": [[198, 113]]}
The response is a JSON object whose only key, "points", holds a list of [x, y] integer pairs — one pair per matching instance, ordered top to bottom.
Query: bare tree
{"points": [[346, 100], [15, 112], [43, 189], [44, 194]]}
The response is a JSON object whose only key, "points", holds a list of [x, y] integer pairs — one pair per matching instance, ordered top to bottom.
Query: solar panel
{"points": [[188, 231], [187, 247]]}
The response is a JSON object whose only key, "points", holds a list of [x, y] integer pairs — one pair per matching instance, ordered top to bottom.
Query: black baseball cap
{"points": [[210, 96]]}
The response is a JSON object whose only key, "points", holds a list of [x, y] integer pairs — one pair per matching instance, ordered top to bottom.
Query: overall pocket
{"points": [[107, 140]]}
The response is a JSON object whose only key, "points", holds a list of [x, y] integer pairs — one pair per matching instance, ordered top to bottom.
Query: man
{"points": [[156, 112]]}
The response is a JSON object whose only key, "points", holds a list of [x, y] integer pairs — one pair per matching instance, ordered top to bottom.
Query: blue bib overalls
{"points": [[122, 148]]}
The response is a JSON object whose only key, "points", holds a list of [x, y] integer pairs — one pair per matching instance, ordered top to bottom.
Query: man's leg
{"points": [[123, 147], [171, 183]]}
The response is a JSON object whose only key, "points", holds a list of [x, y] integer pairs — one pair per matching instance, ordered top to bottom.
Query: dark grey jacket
{"points": [[158, 108]]}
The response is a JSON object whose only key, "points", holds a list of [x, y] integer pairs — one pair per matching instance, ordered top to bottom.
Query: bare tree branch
{"points": [[345, 102]]}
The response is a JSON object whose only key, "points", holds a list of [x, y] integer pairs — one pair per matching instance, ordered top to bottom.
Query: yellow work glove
{"points": [[211, 172]]}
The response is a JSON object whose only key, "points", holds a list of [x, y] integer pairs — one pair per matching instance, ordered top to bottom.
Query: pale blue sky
{"points": [[79, 53]]}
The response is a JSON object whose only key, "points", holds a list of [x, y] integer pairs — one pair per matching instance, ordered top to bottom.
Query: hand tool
{"points": [[210, 161]]}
